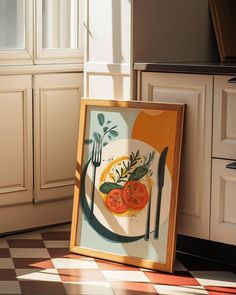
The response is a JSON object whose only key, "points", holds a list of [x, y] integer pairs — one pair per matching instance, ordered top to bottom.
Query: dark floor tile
{"points": [[56, 235], [26, 243], [58, 252], [4, 253], [32, 263], [197, 263], [7, 275], [42, 288]]}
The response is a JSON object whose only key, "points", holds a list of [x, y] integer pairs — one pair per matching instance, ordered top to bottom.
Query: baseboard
{"points": [[207, 249]]}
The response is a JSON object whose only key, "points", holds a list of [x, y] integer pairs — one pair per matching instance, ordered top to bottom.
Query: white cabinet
{"points": [[41, 32], [42, 41], [196, 92], [56, 118], [224, 135], [38, 164], [16, 169], [207, 184], [223, 195], [223, 203]]}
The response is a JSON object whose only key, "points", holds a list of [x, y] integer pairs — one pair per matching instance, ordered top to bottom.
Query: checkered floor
{"points": [[40, 263]]}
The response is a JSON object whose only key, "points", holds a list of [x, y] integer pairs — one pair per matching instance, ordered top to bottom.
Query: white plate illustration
{"points": [[134, 223]]}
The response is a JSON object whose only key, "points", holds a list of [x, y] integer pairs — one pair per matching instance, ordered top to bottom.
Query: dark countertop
{"points": [[228, 68]]}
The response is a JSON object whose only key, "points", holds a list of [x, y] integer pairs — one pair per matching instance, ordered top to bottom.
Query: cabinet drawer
{"points": [[224, 121], [223, 203]]}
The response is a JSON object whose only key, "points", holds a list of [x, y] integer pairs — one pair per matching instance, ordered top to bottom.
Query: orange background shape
{"points": [[158, 129]]}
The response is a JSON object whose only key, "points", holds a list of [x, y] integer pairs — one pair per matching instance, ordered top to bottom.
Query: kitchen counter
{"points": [[228, 68]]}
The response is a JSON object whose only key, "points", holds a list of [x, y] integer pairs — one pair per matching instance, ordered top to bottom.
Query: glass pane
{"points": [[60, 24], [12, 25]]}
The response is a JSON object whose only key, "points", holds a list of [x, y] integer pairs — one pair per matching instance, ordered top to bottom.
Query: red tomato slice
{"points": [[135, 194], [115, 201]]}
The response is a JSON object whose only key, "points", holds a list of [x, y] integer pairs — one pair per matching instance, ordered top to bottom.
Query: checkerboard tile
{"points": [[39, 263]]}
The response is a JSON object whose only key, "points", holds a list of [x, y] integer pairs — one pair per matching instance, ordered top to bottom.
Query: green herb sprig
{"points": [[107, 133], [142, 170], [124, 173]]}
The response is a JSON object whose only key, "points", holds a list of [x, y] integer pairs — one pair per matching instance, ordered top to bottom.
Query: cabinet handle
{"points": [[232, 80], [231, 165]]}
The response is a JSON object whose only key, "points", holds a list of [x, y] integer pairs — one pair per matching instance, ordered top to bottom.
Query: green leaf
{"points": [[101, 119], [108, 122], [105, 129], [114, 133], [97, 136], [109, 136], [88, 141], [105, 143], [138, 173], [106, 187]]}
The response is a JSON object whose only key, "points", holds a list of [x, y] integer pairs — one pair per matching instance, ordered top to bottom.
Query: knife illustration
{"points": [[160, 182], [146, 236]]}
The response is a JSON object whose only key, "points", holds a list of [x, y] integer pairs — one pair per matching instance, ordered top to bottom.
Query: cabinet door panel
{"points": [[59, 31], [16, 32], [196, 92], [56, 113], [224, 124], [16, 140], [223, 200]]}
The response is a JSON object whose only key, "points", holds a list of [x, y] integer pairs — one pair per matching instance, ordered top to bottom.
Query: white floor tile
{"points": [[33, 236], [57, 244], [29, 253], [6, 263], [73, 263], [49, 275], [131, 276], [215, 278], [90, 283], [9, 287], [88, 288], [177, 290]]}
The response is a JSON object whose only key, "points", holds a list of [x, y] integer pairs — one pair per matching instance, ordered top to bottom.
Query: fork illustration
{"points": [[96, 161]]}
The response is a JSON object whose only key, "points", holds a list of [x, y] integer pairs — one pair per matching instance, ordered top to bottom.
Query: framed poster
{"points": [[125, 197]]}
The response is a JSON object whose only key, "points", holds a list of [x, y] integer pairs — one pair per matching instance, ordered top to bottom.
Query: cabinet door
{"points": [[59, 31], [16, 32], [196, 92], [56, 117], [224, 124], [16, 140], [223, 203]]}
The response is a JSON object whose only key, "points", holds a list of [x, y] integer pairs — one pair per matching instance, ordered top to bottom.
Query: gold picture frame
{"points": [[127, 180]]}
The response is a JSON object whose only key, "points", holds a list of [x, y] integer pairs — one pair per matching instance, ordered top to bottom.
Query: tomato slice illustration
{"points": [[135, 194], [115, 201]]}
